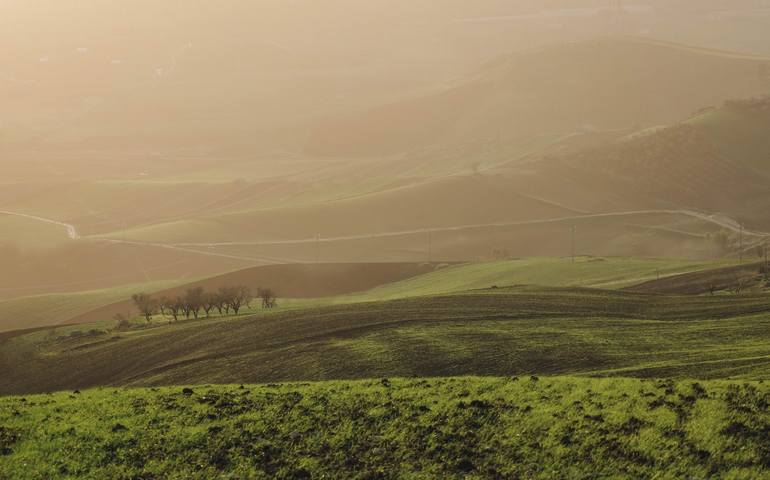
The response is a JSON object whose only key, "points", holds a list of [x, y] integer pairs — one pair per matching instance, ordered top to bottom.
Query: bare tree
{"points": [[224, 295], [245, 295], [268, 297], [235, 298], [193, 300], [210, 301], [163, 304], [146, 305], [175, 307]]}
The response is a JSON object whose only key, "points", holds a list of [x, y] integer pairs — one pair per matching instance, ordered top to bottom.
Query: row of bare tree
{"points": [[196, 301]]}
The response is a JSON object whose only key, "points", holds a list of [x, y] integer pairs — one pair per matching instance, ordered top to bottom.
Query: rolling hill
{"points": [[607, 83], [685, 164], [631, 193], [191, 213], [506, 239], [84, 266], [747, 276], [294, 281], [320, 284], [323, 284], [34, 311], [498, 331]]}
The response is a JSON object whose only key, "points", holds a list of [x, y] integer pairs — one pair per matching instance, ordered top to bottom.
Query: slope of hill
{"points": [[606, 83], [714, 162], [673, 168], [442, 202], [526, 209], [18, 230], [84, 266], [589, 272], [746, 277], [305, 281], [350, 283], [53, 309], [490, 332], [451, 428]]}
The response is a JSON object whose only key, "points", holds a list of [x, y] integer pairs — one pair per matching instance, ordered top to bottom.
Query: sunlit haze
{"points": [[374, 189]]}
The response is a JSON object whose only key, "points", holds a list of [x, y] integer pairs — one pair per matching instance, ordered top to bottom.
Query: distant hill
{"points": [[613, 82], [716, 161], [658, 191]]}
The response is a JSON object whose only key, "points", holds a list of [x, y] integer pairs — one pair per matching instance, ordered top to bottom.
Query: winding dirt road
{"points": [[718, 220], [72, 232]]}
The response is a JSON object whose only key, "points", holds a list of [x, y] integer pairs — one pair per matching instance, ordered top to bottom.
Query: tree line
{"points": [[197, 301]]}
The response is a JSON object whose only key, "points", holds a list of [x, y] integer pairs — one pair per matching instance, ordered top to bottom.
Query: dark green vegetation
{"points": [[498, 331], [473, 428]]}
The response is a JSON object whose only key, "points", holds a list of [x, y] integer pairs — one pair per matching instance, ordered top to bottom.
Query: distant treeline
{"points": [[197, 300]]}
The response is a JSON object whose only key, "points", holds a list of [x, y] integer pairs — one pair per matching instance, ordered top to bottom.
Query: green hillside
{"points": [[607, 273], [305, 284], [323, 284], [502, 331], [453, 428]]}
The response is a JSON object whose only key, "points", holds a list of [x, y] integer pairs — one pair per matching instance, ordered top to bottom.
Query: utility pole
{"points": [[741, 245], [317, 248]]}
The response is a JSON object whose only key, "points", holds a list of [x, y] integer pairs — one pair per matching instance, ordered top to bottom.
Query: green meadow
{"points": [[454, 428]]}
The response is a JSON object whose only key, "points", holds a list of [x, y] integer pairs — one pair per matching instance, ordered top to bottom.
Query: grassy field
{"points": [[607, 273], [310, 282], [331, 284], [47, 310], [503, 331], [457, 373], [471, 428]]}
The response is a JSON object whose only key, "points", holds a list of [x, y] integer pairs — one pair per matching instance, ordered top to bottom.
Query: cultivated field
{"points": [[322, 284], [496, 331]]}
